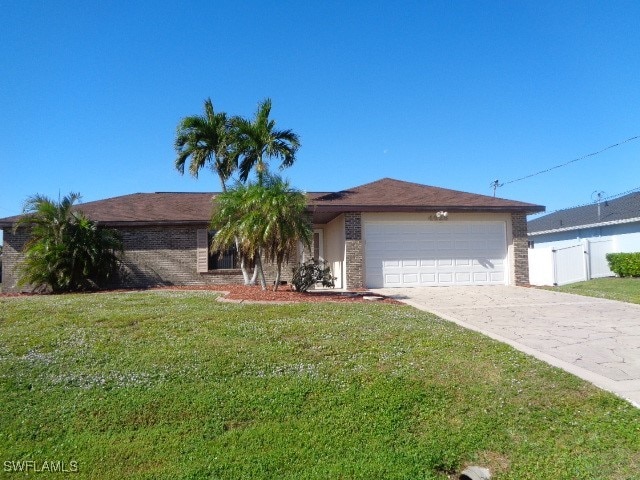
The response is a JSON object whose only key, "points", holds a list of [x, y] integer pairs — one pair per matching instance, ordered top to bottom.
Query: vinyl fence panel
{"points": [[570, 265], [598, 265]]}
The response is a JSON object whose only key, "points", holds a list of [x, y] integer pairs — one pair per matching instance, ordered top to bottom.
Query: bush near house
{"points": [[66, 251], [624, 264], [309, 273]]}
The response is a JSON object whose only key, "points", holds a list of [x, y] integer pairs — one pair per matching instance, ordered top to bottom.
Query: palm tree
{"points": [[207, 139], [258, 140], [269, 218], [49, 219], [236, 220], [286, 222], [66, 251]]}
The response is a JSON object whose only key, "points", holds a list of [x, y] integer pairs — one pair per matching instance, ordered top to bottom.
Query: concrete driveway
{"points": [[595, 339]]}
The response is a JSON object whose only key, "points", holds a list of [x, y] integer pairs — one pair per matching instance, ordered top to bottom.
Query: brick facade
{"points": [[520, 248], [354, 250], [11, 254], [167, 255], [153, 256]]}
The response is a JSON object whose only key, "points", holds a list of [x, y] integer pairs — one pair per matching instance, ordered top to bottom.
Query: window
{"points": [[227, 259], [207, 260]]}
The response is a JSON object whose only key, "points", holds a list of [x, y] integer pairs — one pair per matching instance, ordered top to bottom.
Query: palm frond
{"points": [[205, 141]]}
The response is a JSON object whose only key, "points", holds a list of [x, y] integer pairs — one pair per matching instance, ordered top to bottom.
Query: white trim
{"points": [[591, 225], [320, 232]]}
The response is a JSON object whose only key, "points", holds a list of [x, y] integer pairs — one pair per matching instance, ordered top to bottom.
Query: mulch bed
{"points": [[253, 293]]}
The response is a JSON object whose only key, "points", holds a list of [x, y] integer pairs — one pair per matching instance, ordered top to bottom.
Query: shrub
{"points": [[66, 251], [624, 264], [309, 273]]}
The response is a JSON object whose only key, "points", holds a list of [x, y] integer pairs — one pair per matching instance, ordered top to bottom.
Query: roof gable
{"points": [[390, 193], [617, 210]]}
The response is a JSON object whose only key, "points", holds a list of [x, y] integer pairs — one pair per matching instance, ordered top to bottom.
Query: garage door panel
{"points": [[462, 245], [435, 253], [445, 277], [463, 277], [480, 277], [496, 277], [410, 278], [427, 278], [392, 279]]}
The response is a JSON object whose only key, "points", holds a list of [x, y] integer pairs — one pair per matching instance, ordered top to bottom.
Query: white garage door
{"points": [[408, 254]]}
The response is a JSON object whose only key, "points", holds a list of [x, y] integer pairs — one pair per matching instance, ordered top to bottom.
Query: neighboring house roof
{"points": [[386, 195], [623, 209]]}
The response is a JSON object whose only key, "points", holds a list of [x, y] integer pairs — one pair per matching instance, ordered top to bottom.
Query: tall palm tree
{"points": [[207, 139], [258, 140]]}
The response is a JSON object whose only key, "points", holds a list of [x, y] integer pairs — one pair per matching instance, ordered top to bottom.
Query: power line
{"points": [[496, 183]]}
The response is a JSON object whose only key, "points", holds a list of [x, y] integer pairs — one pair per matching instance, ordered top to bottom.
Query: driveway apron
{"points": [[595, 339]]}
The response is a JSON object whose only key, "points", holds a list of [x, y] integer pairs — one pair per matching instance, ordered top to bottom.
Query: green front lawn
{"points": [[613, 288], [176, 385]]}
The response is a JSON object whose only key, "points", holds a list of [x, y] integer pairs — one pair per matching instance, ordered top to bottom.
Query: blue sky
{"points": [[452, 94]]}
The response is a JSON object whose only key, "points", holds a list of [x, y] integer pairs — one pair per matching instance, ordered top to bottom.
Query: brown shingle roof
{"points": [[388, 192], [382, 195], [389, 195], [145, 209]]}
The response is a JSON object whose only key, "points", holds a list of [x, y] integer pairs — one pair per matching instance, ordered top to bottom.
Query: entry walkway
{"points": [[595, 339]]}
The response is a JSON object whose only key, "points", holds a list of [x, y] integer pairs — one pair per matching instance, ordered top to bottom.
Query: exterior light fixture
{"points": [[441, 215]]}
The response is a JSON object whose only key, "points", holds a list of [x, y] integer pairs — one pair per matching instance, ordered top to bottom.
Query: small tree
{"points": [[268, 219], [286, 222], [234, 223], [66, 251]]}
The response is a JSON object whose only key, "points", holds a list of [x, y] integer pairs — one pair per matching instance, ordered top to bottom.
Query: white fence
{"points": [[575, 263]]}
